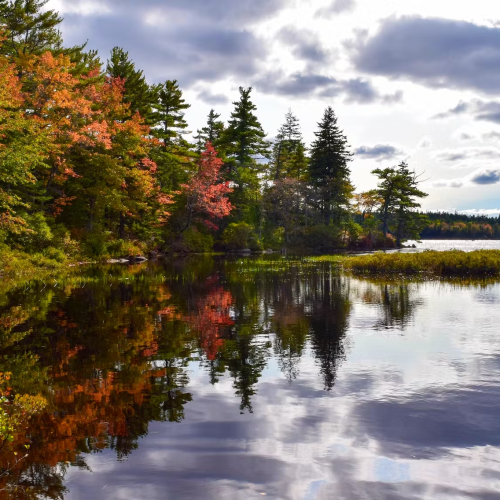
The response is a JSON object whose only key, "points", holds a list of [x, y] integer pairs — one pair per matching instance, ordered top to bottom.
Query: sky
{"points": [[414, 80]]}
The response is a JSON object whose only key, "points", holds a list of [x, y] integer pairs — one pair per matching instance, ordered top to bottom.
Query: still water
{"points": [[465, 245], [244, 379]]}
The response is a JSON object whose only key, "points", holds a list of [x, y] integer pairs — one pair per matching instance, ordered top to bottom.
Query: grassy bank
{"points": [[449, 263], [17, 268]]}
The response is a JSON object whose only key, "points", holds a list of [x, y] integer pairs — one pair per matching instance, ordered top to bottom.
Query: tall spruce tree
{"points": [[138, 93], [244, 138], [288, 144], [175, 154], [328, 169]]}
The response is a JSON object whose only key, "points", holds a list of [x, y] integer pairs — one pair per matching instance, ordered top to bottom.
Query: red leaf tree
{"points": [[206, 193]]}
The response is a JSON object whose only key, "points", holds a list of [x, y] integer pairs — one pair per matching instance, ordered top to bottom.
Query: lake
{"points": [[465, 245], [245, 378]]}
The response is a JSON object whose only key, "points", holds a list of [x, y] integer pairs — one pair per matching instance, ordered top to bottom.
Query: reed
{"points": [[449, 263]]}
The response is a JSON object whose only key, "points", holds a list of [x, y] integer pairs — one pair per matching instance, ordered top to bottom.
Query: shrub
{"points": [[240, 235], [39, 237], [322, 239], [195, 241], [95, 244], [124, 248], [55, 254]]}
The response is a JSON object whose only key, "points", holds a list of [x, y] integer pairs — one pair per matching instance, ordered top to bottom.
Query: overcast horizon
{"points": [[417, 82]]}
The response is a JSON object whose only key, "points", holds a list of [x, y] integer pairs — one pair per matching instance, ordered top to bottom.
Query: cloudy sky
{"points": [[416, 79]]}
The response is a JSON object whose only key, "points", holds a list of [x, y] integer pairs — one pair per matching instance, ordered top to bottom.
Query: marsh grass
{"points": [[453, 263]]}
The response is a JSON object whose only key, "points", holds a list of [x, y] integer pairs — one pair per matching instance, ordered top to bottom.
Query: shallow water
{"points": [[217, 379]]}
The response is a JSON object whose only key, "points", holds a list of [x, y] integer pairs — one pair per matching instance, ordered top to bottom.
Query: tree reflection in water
{"points": [[111, 352]]}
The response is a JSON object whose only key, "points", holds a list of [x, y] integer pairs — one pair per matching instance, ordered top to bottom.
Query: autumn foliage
{"points": [[70, 149], [206, 192]]}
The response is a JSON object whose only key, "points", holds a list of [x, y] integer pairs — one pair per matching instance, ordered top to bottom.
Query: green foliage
{"points": [[30, 29], [138, 94], [212, 133], [244, 139], [288, 153], [174, 156], [329, 171], [398, 191], [352, 232], [40, 235], [239, 236], [321, 238], [276, 239], [194, 241], [95, 243], [124, 248], [55, 254], [449, 263], [17, 268]]}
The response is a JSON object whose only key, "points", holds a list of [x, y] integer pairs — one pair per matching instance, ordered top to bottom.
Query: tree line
{"points": [[96, 161]]}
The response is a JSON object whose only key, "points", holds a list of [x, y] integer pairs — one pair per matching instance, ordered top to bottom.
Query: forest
{"points": [[97, 162], [448, 226]]}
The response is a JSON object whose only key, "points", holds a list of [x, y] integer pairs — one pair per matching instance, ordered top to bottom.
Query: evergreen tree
{"points": [[29, 30], [137, 92], [291, 128], [214, 129], [244, 136], [243, 145], [288, 150], [175, 154], [277, 155], [299, 164], [328, 169], [398, 190], [387, 191], [409, 223]]}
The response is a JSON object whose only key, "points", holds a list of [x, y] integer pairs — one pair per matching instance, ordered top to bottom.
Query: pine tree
{"points": [[30, 30], [137, 92], [169, 114], [244, 136], [174, 156], [328, 169], [398, 190], [387, 191], [408, 222]]}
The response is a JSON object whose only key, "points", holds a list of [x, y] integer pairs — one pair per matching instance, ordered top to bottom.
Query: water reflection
{"points": [[243, 372]]}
